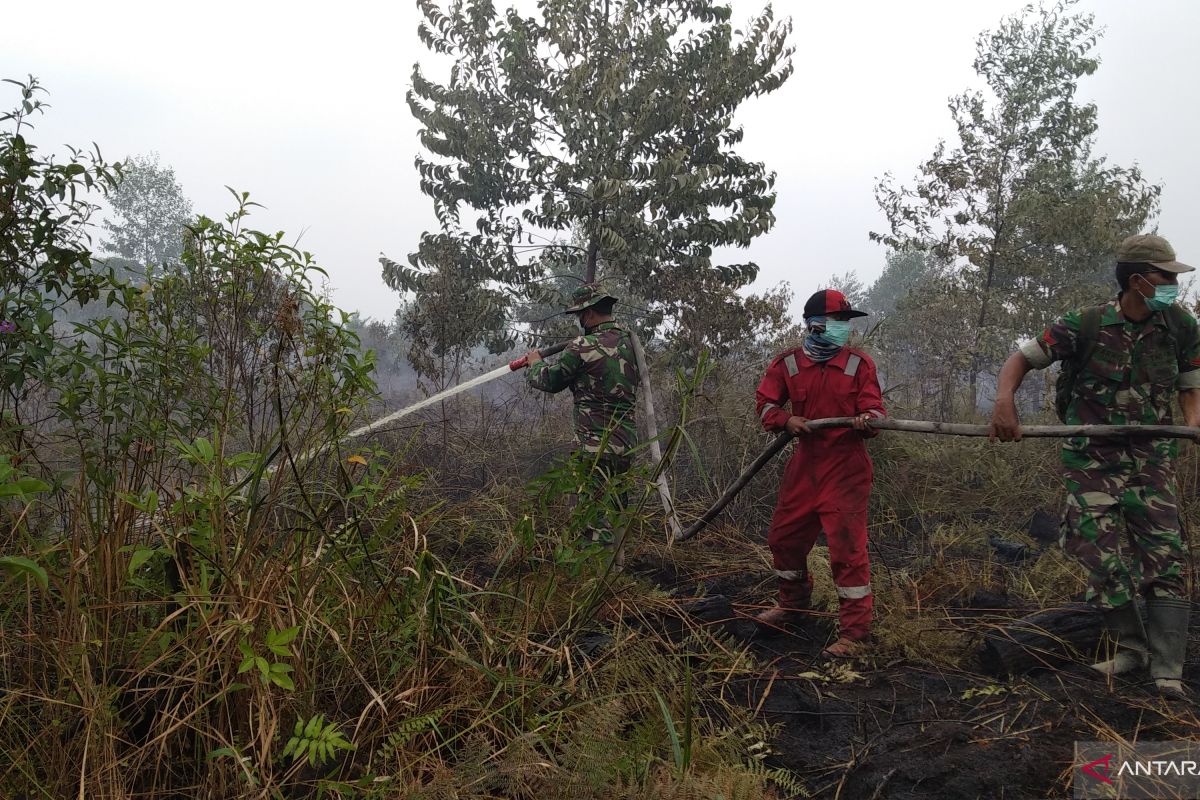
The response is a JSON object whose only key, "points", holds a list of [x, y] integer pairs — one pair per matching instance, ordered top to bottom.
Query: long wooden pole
{"points": [[945, 428], [1027, 431], [674, 529]]}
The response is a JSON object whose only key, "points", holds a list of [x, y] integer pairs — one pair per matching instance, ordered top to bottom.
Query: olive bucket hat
{"points": [[587, 296]]}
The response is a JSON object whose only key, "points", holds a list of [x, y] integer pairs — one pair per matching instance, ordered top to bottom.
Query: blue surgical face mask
{"points": [[1164, 295], [837, 331]]}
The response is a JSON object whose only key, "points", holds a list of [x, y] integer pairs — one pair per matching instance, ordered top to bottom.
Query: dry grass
{"points": [[462, 650]]}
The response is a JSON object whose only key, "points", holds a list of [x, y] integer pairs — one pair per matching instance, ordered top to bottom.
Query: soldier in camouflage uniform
{"points": [[1130, 358], [600, 370]]}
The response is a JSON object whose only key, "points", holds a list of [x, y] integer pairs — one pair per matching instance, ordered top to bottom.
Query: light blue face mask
{"points": [[1164, 296], [837, 331]]}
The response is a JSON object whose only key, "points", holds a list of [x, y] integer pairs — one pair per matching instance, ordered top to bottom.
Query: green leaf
{"points": [[205, 449], [23, 486], [140, 556], [20, 565], [286, 636], [283, 681], [676, 745]]}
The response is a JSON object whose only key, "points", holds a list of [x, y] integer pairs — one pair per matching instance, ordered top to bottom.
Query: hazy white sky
{"points": [[302, 105]]}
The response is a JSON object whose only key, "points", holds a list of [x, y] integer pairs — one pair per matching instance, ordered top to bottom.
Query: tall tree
{"points": [[606, 121], [1020, 206], [149, 213], [903, 272], [449, 316]]}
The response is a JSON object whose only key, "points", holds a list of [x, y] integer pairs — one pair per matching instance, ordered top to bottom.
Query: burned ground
{"points": [[890, 726]]}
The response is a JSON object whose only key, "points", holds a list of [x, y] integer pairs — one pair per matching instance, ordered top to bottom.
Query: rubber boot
{"points": [[1125, 630], [1168, 631]]}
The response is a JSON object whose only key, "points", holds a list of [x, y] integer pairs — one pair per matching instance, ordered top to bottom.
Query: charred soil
{"points": [[891, 726]]}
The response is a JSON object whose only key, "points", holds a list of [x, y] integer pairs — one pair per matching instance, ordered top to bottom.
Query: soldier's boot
{"points": [[618, 550], [1125, 630], [1167, 631]]}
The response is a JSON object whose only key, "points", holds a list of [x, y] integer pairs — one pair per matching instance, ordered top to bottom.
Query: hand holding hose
{"points": [[536, 355], [796, 426]]}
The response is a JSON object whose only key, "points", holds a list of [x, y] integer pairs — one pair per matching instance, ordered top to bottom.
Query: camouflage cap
{"points": [[1149, 249], [587, 296]]}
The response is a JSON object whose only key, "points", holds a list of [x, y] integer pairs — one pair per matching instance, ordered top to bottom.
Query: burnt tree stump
{"points": [[1045, 640]]}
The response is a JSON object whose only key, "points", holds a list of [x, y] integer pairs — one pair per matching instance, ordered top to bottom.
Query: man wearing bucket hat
{"points": [[1124, 363], [601, 371], [828, 478]]}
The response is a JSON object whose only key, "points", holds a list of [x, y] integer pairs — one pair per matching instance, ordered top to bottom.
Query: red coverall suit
{"points": [[827, 480]]}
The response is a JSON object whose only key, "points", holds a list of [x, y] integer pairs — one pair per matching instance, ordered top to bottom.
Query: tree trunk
{"points": [[997, 237], [593, 251], [664, 489]]}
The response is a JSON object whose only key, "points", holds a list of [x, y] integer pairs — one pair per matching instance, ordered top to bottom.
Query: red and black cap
{"points": [[829, 301]]}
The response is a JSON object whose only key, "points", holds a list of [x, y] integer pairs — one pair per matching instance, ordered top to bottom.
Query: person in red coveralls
{"points": [[828, 478]]}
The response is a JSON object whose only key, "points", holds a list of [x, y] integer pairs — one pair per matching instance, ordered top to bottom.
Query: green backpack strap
{"points": [[1089, 334], [1085, 345]]}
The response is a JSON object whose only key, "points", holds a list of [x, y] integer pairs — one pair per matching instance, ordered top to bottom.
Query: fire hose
{"points": [[512, 366]]}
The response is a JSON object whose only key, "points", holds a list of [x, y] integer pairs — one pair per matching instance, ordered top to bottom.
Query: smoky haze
{"points": [[303, 106]]}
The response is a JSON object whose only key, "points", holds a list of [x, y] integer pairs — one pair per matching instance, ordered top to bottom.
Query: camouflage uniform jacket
{"points": [[601, 371], [1131, 379]]}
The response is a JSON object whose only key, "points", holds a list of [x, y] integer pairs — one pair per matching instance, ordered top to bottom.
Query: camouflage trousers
{"points": [[596, 495], [1122, 524]]}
